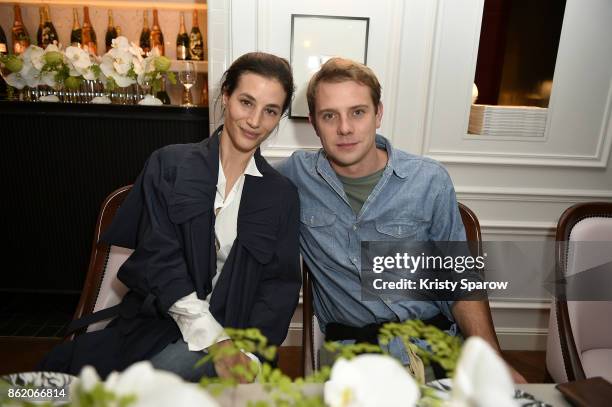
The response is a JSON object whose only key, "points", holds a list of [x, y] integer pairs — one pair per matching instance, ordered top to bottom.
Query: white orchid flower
{"points": [[120, 43], [52, 48], [135, 50], [154, 52], [33, 56], [79, 58], [122, 60], [79, 62], [116, 64], [138, 66], [28, 76], [32, 77], [48, 78], [16, 80], [88, 378], [370, 381], [474, 382], [156, 388]]}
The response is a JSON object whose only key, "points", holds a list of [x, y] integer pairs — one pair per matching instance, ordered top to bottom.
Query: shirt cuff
{"points": [[196, 323]]}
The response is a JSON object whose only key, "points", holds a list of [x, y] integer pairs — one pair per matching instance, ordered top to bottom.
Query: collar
{"points": [[251, 168], [197, 175]]}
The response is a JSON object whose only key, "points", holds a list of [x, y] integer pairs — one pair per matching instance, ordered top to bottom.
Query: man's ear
{"points": [[379, 114]]}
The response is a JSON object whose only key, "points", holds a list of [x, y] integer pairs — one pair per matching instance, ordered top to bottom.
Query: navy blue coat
{"points": [[168, 218]]}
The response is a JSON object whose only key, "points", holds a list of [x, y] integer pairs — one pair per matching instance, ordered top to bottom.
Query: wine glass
{"points": [[187, 76], [145, 88]]}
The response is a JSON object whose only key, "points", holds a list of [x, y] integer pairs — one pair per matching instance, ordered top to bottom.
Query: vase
{"points": [[121, 95]]}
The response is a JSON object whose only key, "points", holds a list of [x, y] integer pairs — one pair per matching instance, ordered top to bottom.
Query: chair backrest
{"points": [[102, 289], [578, 326], [312, 337]]}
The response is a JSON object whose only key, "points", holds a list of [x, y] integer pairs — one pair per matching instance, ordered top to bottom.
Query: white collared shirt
{"points": [[192, 315]]}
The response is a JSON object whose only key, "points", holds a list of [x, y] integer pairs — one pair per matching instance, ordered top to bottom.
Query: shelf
{"points": [[114, 4], [201, 66]]}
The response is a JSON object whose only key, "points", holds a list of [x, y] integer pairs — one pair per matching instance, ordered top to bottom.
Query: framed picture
{"points": [[314, 40]]}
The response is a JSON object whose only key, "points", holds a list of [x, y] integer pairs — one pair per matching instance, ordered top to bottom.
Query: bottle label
{"points": [[195, 47], [3, 48], [181, 52]]}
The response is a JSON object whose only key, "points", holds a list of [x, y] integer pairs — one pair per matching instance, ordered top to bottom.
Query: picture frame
{"points": [[317, 38]]}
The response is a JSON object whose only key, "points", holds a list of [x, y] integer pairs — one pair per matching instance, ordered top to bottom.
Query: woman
{"points": [[215, 233]]}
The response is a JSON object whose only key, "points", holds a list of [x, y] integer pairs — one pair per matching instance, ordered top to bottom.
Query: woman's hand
{"points": [[230, 359]]}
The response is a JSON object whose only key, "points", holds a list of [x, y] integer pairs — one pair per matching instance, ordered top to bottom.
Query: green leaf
{"points": [[171, 77]]}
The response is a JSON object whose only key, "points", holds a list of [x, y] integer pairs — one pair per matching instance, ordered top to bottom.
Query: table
{"points": [[545, 392], [242, 394]]}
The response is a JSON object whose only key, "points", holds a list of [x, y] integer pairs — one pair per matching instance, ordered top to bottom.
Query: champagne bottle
{"points": [[41, 26], [111, 32], [49, 34], [145, 34], [76, 35], [20, 36], [157, 37], [90, 41], [182, 41], [3, 43], [196, 50], [162, 94]]}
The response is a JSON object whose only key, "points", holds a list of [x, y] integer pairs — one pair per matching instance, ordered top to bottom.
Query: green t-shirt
{"points": [[358, 189]]}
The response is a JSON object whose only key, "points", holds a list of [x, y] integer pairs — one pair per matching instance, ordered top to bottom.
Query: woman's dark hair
{"points": [[260, 63]]}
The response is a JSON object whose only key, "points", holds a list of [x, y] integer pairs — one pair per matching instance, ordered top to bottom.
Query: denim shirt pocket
{"points": [[316, 217], [317, 228], [401, 228]]}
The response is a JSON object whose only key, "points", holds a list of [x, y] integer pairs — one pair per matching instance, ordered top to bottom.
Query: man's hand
{"points": [[474, 319], [231, 358], [516, 376]]}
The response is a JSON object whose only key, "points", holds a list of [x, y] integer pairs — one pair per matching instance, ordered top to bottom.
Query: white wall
{"points": [[424, 52]]}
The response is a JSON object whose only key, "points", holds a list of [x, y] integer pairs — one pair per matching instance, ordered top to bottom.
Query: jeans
{"points": [[178, 359]]}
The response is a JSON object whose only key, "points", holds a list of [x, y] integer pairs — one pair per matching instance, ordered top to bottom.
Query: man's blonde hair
{"points": [[337, 70]]}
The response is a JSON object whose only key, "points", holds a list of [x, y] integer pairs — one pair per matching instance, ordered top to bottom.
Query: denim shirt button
{"points": [[355, 227]]}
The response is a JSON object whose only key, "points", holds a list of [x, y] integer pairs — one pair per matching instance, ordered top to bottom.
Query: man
{"points": [[359, 188]]}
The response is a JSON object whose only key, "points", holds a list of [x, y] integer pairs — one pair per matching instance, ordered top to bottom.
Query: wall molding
{"points": [[392, 63], [501, 158], [512, 194], [545, 229], [520, 305], [532, 339]]}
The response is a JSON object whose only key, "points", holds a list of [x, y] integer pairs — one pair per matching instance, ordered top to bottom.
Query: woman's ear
{"points": [[224, 99]]}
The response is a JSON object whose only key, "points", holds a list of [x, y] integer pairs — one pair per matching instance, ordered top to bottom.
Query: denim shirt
{"points": [[414, 199]]}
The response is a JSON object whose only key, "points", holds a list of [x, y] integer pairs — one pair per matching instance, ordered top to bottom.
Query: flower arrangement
{"points": [[81, 66], [122, 66], [156, 66], [24, 69], [354, 380]]}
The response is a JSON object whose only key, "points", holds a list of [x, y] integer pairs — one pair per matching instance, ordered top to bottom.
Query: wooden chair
{"points": [[102, 289], [580, 333], [312, 337]]}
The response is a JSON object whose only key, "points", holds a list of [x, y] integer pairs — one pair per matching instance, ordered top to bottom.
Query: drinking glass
{"points": [[187, 76]]}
